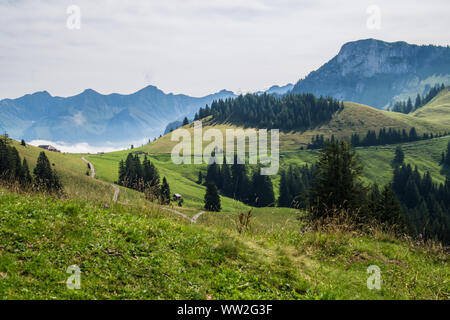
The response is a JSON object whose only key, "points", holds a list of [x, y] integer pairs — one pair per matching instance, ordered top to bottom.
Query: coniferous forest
{"points": [[408, 106], [289, 112], [384, 137], [137, 175], [143, 177], [237, 182], [425, 203]]}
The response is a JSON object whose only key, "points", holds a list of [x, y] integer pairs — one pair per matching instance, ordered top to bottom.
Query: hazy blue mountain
{"points": [[378, 73], [276, 89], [280, 89], [96, 118], [172, 126]]}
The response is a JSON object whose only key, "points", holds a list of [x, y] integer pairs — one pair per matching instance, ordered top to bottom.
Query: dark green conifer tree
{"points": [[399, 156], [27, 179], [46, 179], [337, 184], [262, 190], [165, 192], [212, 198], [284, 199]]}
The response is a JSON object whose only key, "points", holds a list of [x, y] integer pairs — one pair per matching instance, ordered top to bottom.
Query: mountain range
{"points": [[370, 72], [96, 118]]}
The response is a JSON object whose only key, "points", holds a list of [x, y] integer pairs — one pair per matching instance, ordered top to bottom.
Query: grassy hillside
{"points": [[437, 110], [354, 118], [126, 253]]}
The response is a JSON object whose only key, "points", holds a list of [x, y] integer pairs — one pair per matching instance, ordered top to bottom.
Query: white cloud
{"points": [[192, 46], [84, 147]]}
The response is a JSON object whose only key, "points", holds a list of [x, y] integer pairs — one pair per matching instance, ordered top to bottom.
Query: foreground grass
{"points": [[127, 253]]}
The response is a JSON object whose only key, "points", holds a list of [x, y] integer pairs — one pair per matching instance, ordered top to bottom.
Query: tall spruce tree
{"points": [[399, 156], [213, 175], [27, 179], [46, 179], [240, 181], [227, 183], [337, 184], [262, 190], [165, 192], [212, 198], [284, 199], [390, 211]]}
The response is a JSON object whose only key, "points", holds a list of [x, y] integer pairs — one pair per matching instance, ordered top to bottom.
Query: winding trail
{"points": [[91, 167], [116, 188], [116, 192], [193, 219]]}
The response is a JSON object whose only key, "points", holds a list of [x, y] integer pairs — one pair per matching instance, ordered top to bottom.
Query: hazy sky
{"points": [[194, 47]]}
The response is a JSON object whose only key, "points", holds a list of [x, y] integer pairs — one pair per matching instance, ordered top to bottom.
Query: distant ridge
{"points": [[96, 118]]}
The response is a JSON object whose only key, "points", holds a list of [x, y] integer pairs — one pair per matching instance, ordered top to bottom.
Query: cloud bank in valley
{"points": [[84, 147]]}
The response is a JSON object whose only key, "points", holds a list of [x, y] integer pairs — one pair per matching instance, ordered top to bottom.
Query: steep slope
{"points": [[376, 73], [437, 110], [95, 118]]}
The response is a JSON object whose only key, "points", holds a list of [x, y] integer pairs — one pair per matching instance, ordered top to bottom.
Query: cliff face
{"points": [[377, 73]]}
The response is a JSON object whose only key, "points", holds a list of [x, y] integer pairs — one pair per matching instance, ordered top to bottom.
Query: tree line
{"points": [[421, 100], [289, 112], [384, 137], [15, 170], [143, 177], [238, 182], [411, 202]]}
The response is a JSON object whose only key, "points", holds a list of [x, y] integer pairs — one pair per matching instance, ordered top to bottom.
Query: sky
{"points": [[195, 47]]}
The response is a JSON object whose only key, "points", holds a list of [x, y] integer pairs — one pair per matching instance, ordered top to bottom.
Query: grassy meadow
{"points": [[437, 109], [134, 249], [128, 253]]}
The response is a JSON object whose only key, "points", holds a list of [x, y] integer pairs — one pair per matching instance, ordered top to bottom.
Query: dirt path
{"points": [[91, 166], [116, 188], [116, 192], [193, 219]]}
